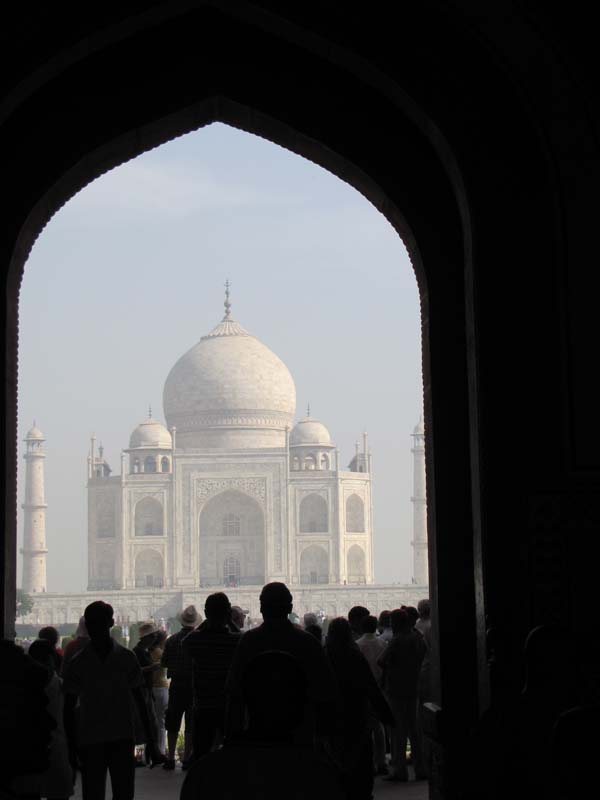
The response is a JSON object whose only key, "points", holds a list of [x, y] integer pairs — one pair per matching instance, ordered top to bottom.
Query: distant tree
{"points": [[24, 604]]}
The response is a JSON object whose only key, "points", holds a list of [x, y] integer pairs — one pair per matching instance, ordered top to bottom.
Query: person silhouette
{"points": [[278, 633], [210, 649], [106, 681], [360, 694], [265, 761], [56, 781]]}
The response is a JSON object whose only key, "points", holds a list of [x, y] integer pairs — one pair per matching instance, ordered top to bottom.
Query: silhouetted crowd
{"points": [[280, 709]]}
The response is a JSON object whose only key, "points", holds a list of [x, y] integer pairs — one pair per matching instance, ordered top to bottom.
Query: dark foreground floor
{"points": [[157, 784]]}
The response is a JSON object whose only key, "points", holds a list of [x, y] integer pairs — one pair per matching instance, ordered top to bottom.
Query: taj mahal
{"points": [[231, 493]]}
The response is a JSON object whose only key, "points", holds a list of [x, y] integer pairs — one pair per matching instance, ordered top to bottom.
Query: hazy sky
{"points": [[129, 275]]}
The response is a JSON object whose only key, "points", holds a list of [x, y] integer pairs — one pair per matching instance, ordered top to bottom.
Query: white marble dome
{"points": [[229, 391], [310, 431], [150, 434]]}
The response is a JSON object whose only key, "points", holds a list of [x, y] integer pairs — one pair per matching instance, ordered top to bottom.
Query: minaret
{"points": [[419, 501], [34, 528]]}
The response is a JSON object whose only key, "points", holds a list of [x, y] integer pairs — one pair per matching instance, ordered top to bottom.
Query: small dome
{"points": [[419, 429], [310, 431], [35, 434], [152, 435]]}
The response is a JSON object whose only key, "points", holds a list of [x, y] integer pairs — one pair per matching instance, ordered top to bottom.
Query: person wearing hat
{"points": [[147, 632], [179, 670]]}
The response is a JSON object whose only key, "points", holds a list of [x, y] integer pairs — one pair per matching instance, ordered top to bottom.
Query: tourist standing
{"points": [[356, 615], [238, 619], [277, 632], [147, 633], [51, 635], [75, 645], [372, 647], [210, 650], [401, 663], [179, 671], [106, 681], [160, 689], [360, 694], [57, 780]]}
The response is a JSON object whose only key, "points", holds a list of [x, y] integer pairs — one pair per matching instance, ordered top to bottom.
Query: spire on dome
{"points": [[227, 304], [228, 326], [149, 411], [308, 411]]}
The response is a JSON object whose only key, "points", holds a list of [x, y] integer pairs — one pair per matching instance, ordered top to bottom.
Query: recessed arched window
{"points": [[324, 461], [295, 463], [309, 463], [149, 464], [136, 465], [165, 465], [313, 514], [355, 514], [149, 517], [231, 525], [314, 565], [356, 565], [149, 569]]}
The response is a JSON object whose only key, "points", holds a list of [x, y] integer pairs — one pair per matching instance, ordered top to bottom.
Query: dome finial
{"points": [[227, 304], [308, 410], [149, 411]]}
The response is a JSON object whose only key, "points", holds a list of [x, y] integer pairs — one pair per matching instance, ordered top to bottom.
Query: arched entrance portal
{"points": [[232, 541]]}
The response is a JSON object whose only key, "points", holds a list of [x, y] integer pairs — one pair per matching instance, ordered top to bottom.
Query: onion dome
{"points": [[229, 390], [309, 431], [150, 435]]}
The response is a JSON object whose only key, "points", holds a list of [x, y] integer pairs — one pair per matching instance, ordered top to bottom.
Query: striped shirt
{"points": [[210, 651]]}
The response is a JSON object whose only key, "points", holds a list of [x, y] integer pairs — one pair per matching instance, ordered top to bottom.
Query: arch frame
{"points": [[440, 441]]}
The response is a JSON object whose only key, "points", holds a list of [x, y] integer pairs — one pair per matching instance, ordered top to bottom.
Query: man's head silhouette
{"points": [[275, 601], [217, 609], [99, 619]]}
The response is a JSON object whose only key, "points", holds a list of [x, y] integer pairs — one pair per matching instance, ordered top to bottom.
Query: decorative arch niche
{"points": [[313, 514], [355, 514], [149, 517], [314, 565], [356, 565], [149, 569]]}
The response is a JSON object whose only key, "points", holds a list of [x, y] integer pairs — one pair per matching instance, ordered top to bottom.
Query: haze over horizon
{"points": [[129, 274]]}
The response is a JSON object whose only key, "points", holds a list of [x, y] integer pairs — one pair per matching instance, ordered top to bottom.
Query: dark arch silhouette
{"points": [[413, 112]]}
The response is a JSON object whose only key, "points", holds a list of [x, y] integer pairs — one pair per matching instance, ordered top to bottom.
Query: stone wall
{"points": [[58, 609]]}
